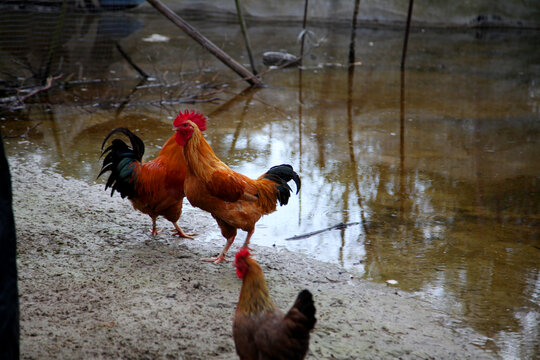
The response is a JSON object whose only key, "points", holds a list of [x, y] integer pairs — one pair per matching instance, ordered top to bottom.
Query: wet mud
{"points": [[94, 284]]}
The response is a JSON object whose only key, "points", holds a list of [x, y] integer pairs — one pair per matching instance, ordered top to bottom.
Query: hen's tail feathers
{"points": [[120, 160], [281, 175], [304, 304]]}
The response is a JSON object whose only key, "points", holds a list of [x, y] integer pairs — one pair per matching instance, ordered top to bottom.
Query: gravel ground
{"points": [[94, 284]]}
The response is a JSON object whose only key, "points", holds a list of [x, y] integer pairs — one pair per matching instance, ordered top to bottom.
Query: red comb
{"points": [[196, 117], [242, 253], [241, 263]]}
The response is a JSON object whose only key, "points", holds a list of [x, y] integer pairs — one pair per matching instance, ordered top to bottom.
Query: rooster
{"points": [[155, 188], [234, 200], [260, 329]]}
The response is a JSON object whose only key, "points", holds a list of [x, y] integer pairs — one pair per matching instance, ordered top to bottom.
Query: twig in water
{"points": [[207, 44], [131, 62], [259, 75], [47, 86], [25, 134], [337, 226]]}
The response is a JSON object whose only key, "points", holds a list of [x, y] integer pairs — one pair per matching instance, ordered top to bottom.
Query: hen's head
{"points": [[184, 122], [240, 261]]}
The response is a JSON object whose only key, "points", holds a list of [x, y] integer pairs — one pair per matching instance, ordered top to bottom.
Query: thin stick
{"points": [[304, 24], [353, 33], [245, 34], [55, 39], [406, 40], [207, 44], [131, 62], [260, 75], [47, 86], [25, 134], [337, 226]]}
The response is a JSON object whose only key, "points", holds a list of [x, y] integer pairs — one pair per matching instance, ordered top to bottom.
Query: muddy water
{"points": [[435, 173]]}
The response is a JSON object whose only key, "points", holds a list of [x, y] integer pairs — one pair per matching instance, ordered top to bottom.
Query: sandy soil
{"points": [[94, 284]]}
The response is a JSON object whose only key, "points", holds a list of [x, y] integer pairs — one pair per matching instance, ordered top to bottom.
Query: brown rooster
{"points": [[156, 187], [234, 200], [260, 330]]}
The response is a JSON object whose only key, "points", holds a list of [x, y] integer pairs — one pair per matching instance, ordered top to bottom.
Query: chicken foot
{"points": [[154, 230], [181, 233], [246, 242], [221, 256]]}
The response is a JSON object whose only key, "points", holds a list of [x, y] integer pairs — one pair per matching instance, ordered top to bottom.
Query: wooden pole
{"points": [[304, 24], [353, 32], [245, 34], [406, 39], [207, 44]]}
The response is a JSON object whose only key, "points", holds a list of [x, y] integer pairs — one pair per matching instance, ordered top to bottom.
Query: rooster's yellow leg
{"points": [[154, 230], [181, 233], [246, 242], [221, 256]]}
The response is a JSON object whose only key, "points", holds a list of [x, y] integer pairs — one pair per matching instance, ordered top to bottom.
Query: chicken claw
{"points": [[181, 233], [184, 235], [216, 260]]}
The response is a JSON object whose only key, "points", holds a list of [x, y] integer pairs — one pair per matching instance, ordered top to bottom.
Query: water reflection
{"points": [[38, 44], [438, 166]]}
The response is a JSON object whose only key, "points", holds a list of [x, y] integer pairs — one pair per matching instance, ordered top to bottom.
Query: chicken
{"points": [[156, 187], [234, 200], [260, 329]]}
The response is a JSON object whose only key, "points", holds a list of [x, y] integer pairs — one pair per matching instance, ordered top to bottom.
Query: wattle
{"points": [[180, 139]]}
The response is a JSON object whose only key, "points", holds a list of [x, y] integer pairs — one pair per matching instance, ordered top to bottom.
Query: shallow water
{"points": [[437, 171]]}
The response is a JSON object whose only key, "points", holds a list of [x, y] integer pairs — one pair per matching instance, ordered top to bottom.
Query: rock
{"points": [[280, 58]]}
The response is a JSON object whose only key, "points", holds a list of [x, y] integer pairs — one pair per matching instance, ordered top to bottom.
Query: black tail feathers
{"points": [[119, 160], [281, 175], [304, 303]]}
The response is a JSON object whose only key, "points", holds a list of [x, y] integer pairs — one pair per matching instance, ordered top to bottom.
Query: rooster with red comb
{"points": [[156, 187], [233, 199]]}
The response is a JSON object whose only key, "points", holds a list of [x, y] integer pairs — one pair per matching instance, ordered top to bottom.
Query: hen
{"points": [[156, 187], [234, 200], [260, 330]]}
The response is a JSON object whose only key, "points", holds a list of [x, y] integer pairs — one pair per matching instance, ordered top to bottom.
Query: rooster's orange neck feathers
{"points": [[200, 157]]}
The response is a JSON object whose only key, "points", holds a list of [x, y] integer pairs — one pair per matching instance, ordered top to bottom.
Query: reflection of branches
{"points": [[130, 61], [350, 82], [128, 98], [192, 99], [233, 101], [241, 122], [23, 135], [300, 142], [351, 147]]}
